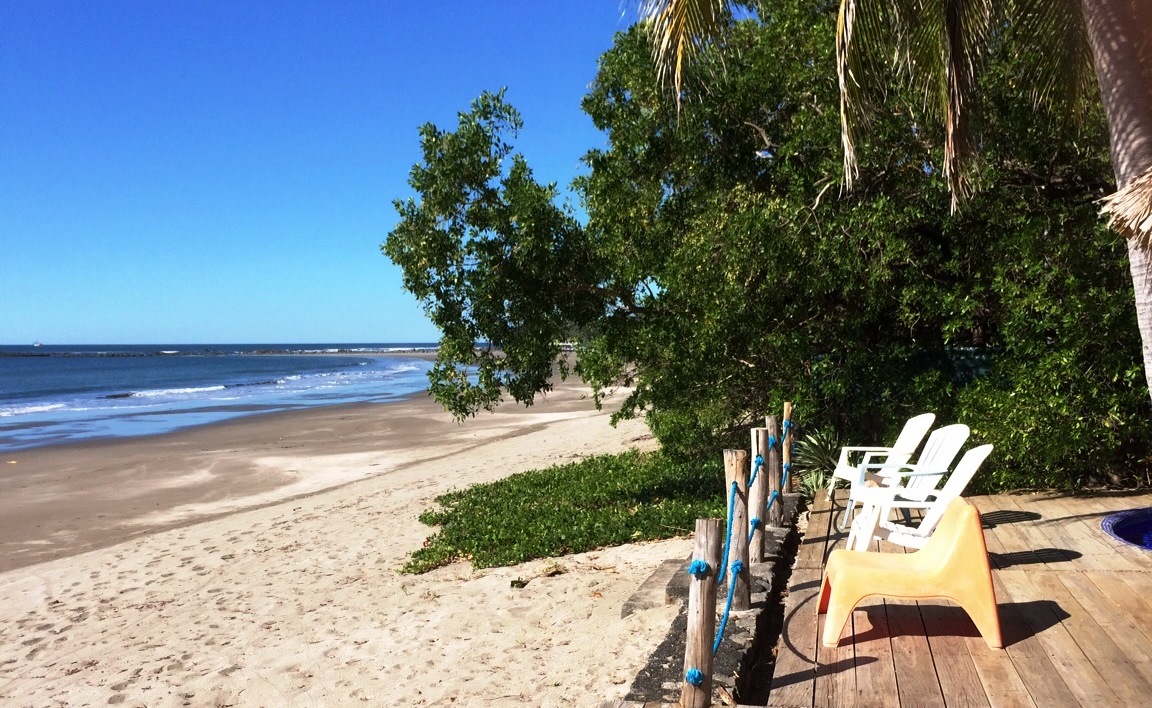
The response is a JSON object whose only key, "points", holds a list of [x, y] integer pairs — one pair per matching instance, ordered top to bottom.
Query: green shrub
{"points": [[571, 508]]}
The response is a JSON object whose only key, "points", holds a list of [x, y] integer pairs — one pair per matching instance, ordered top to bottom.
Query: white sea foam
{"points": [[175, 391], [29, 410]]}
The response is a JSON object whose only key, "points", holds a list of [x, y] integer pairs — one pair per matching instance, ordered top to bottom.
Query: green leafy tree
{"points": [[941, 48], [493, 259], [720, 270]]}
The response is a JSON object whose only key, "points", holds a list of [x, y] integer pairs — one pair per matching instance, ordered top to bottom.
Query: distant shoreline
{"points": [[421, 352]]}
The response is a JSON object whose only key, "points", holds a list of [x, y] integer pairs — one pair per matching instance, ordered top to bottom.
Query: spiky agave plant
{"points": [[814, 458]]}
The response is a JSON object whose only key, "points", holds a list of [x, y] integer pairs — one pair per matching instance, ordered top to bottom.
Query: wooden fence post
{"points": [[786, 446], [774, 468], [736, 470], [758, 495], [697, 690]]}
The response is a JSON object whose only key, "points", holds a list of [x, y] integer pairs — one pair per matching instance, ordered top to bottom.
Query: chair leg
{"points": [[844, 524], [863, 530], [825, 593], [839, 610], [985, 615]]}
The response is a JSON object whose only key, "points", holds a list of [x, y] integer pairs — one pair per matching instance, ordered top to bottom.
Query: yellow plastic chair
{"points": [[953, 565]]}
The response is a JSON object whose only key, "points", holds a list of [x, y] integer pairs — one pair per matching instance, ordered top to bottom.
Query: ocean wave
{"points": [[154, 393], [28, 410]]}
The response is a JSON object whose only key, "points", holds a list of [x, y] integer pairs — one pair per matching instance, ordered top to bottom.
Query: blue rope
{"points": [[756, 470], [784, 478], [771, 498], [754, 524], [728, 534], [737, 566], [699, 568]]}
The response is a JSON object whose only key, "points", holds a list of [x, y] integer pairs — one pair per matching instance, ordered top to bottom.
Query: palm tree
{"points": [[938, 47]]}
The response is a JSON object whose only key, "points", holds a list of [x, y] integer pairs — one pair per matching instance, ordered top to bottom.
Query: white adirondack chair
{"points": [[939, 451], [899, 453], [873, 522]]}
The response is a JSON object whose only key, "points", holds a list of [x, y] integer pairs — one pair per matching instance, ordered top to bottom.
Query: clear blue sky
{"points": [[218, 171]]}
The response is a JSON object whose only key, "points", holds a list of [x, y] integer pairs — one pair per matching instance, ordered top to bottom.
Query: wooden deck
{"points": [[1075, 611]]}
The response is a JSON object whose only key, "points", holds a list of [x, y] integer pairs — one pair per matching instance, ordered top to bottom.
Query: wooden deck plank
{"points": [[1082, 529], [1022, 543], [1041, 546], [812, 553], [1139, 600], [1113, 605], [1076, 612], [1043, 616], [947, 627], [1111, 662], [1033, 666], [835, 669], [875, 670], [915, 672], [998, 675], [794, 677]]}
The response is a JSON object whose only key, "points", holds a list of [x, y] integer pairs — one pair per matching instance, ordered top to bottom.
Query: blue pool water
{"points": [[1133, 526]]}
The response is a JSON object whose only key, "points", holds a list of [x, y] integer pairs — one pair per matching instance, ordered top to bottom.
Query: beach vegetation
{"points": [[1064, 51], [718, 268], [572, 508]]}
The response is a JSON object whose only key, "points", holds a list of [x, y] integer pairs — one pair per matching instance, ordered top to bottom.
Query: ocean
{"points": [[55, 394]]}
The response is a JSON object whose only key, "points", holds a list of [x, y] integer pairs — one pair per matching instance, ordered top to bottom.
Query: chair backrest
{"points": [[914, 431], [941, 448], [965, 470], [960, 531]]}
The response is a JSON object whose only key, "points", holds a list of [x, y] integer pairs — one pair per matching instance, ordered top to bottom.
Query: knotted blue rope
{"points": [[756, 470], [784, 477], [754, 524], [728, 534], [737, 567], [698, 568], [694, 677]]}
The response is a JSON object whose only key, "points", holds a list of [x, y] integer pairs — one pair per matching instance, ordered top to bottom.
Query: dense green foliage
{"points": [[722, 271], [602, 501]]}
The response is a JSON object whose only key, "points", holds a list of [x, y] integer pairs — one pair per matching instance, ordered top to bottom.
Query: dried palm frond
{"points": [[679, 29], [1129, 210]]}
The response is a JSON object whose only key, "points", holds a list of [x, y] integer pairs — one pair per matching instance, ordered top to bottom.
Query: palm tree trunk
{"points": [[1120, 32]]}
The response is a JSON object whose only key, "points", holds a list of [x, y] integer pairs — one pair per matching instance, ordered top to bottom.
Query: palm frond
{"points": [[966, 24], [679, 29], [1054, 30], [936, 48], [1129, 210]]}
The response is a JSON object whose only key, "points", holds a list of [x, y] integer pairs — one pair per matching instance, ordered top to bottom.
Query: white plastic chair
{"points": [[907, 442], [901, 451], [939, 451], [877, 502]]}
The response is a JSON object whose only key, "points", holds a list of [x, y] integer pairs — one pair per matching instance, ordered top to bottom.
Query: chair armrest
{"points": [[865, 449], [846, 469], [893, 472], [889, 497]]}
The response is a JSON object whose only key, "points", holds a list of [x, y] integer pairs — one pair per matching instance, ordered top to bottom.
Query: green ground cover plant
{"points": [[601, 501]]}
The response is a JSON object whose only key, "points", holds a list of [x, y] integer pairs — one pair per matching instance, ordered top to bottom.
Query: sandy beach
{"points": [[254, 563]]}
